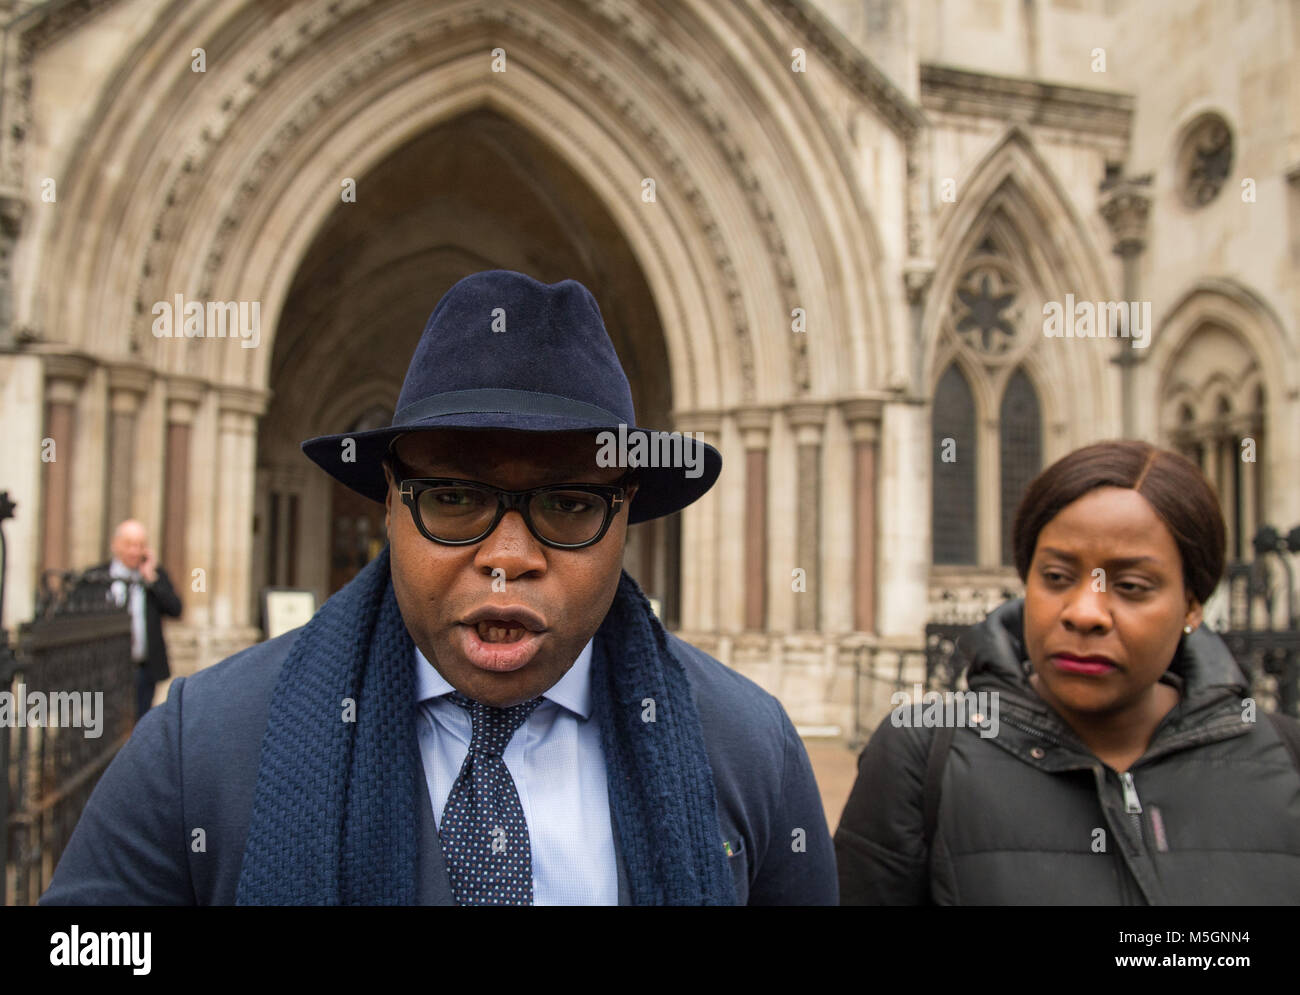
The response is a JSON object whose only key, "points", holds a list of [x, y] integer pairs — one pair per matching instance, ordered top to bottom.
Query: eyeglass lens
{"points": [[461, 513]]}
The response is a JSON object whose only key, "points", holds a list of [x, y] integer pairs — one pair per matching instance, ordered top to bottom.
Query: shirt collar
{"points": [[116, 568], [572, 691]]}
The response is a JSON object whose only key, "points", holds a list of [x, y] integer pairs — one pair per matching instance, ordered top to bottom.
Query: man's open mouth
{"points": [[499, 631], [505, 637]]}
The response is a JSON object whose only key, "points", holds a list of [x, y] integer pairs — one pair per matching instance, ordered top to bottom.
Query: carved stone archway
{"points": [[215, 185]]}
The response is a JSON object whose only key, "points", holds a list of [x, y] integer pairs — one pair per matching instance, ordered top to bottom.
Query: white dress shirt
{"points": [[130, 580], [558, 766]]}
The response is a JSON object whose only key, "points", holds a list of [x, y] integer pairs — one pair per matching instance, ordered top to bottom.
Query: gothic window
{"points": [[986, 403], [1020, 449], [953, 477]]}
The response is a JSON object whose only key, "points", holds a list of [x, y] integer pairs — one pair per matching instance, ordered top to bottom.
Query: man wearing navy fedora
{"points": [[489, 713]]}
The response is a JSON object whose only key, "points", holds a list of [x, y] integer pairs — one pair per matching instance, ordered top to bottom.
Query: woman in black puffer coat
{"points": [[1121, 760]]}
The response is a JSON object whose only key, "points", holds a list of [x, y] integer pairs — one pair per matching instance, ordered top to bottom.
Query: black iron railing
{"points": [[952, 615], [1263, 630], [71, 684]]}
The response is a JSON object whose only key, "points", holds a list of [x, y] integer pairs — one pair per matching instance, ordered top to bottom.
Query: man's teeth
{"points": [[490, 633]]}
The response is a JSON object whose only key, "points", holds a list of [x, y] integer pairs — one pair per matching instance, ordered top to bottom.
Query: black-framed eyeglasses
{"points": [[456, 512]]}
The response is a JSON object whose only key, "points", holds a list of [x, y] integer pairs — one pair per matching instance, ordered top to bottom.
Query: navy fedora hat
{"points": [[504, 351]]}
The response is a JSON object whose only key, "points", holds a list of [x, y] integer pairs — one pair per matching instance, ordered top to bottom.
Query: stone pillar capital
{"points": [[1125, 206], [67, 367], [130, 379], [127, 386], [185, 389], [62, 391], [183, 397], [244, 400], [123, 402], [181, 411], [811, 413], [863, 417], [808, 420], [234, 421], [698, 421], [754, 425], [865, 432]]}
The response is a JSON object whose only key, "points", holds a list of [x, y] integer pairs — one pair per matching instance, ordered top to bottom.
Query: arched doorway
{"points": [[474, 193]]}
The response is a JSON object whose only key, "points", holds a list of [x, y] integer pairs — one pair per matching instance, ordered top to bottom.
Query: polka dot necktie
{"points": [[483, 832]]}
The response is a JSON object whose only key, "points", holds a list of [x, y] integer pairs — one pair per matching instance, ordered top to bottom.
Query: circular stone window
{"points": [[1204, 159]]}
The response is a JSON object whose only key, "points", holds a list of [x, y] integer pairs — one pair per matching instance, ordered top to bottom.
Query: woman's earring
{"points": [[1187, 629]]}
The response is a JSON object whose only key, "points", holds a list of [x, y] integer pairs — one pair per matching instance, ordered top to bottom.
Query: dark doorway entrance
{"points": [[478, 192]]}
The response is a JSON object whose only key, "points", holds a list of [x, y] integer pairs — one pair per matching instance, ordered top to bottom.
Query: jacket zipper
{"points": [[1131, 804], [1130, 892]]}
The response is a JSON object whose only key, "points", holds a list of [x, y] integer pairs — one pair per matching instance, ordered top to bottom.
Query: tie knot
{"points": [[493, 727]]}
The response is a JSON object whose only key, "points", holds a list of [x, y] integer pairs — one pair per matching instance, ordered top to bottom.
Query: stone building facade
{"points": [[824, 235]]}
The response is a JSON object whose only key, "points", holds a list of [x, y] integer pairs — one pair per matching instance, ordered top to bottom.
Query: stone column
{"points": [[1125, 204], [64, 376], [126, 386], [182, 403], [22, 413], [863, 417], [808, 422], [755, 425], [1250, 428], [1229, 457], [903, 488], [698, 569], [692, 571], [231, 586]]}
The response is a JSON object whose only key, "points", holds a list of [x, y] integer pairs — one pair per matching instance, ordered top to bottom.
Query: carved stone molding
{"points": [[54, 20], [48, 23], [628, 27], [853, 65], [877, 91], [1072, 108], [916, 282]]}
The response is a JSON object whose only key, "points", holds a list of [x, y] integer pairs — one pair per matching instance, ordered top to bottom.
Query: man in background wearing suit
{"points": [[143, 587]]}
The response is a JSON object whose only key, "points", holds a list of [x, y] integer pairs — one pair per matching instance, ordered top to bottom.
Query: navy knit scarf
{"points": [[334, 811]]}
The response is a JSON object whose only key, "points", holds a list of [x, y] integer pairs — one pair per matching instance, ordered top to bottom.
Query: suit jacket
{"points": [[159, 599], [195, 758]]}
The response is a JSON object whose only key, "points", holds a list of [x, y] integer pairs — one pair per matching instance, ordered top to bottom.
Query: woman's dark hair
{"points": [[1173, 484]]}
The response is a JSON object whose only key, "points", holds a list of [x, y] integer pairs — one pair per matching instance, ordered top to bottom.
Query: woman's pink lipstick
{"points": [[1089, 665]]}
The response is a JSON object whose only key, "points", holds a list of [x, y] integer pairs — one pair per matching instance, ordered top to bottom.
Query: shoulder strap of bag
{"points": [[1288, 730], [939, 747]]}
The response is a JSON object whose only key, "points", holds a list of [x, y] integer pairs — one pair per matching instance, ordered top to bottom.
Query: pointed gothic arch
{"points": [[1012, 195], [1005, 260], [1222, 366]]}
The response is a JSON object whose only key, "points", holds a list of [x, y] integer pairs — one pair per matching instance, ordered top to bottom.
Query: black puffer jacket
{"points": [[1212, 814]]}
